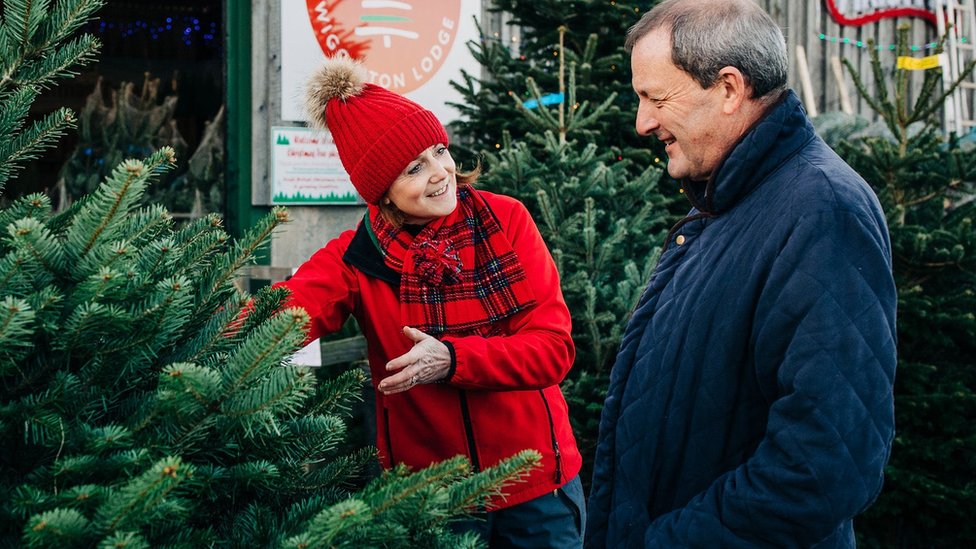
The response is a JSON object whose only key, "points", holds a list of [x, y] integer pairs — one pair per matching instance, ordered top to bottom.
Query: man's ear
{"points": [[735, 90]]}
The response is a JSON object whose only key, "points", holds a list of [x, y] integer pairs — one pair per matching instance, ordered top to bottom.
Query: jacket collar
{"points": [[782, 131], [364, 254]]}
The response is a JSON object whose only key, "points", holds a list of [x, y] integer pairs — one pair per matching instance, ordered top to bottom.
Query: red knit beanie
{"points": [[376, 131]]}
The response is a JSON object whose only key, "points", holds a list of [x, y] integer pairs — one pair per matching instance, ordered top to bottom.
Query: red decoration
{"points": [[863, 18], [437, 262]]}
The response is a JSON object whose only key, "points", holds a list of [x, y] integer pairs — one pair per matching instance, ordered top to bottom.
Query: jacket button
{"points": [[680, 240]]}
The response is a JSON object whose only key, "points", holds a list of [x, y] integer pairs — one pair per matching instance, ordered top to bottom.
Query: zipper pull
{"points": [[559, 472]]}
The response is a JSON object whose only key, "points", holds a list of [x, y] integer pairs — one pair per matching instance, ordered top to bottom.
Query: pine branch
{"points": [[66, 18], [22, 19], [58, 63], [929, 83], [862, 90], [940, 100], [15, 109], [887, 109], [540, 115], [583, 120], [41, 136], [34, 205], [104, 213], [548, 214], [59, 222], [148, 224], [589, 230], [32, 238], [200, 240], [609, 245], [155, 261], [14, 278], [217, 281], [99, 287], [268, 302], [46, 304], [159, 318], [87, 326], [16, 332], [278, 337], [209, 339], [187, 389], [281, 392], [337, 394], [36, 415], [309, 439], [260, 475], [467, 494], [132, 505], [386, 508], [331, 525], [56, 528], [124, 540]]}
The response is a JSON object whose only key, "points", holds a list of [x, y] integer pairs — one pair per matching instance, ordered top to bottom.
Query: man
{"points": [[751, 401]]}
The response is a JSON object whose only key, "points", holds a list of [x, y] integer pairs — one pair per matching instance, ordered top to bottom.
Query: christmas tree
{"points": [[552, 36], [134, 123], [204, 176], [927, 186], [603, 217], [138, 408]]}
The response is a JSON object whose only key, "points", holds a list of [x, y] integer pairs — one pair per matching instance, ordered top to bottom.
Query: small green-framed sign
{"points": [[306, 170]]}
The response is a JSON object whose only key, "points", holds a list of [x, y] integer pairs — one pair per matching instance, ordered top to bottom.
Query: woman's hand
{"points": [[427, 361]]}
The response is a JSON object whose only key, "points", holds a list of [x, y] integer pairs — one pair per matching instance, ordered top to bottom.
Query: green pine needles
{"points": [[36, 48], [927, 185], [138, 407]]}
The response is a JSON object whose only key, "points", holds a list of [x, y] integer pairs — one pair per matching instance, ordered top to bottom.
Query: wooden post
{"points": [[809, 99], [845, 100]]}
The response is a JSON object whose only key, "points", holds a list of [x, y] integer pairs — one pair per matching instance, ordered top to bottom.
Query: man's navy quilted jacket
{"points": [[751, 401]]}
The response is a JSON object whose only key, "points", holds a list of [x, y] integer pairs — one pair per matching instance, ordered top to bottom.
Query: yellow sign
{"points": [[920, 63]]}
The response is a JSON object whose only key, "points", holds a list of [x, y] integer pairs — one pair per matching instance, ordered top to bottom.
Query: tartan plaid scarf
{"points": [[459, 274]]}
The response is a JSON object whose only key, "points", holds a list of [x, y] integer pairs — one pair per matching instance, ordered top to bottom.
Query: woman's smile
{"points": [[439, 191]]}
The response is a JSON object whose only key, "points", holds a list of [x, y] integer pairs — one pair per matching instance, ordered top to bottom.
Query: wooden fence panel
{"points": [[808, 23]]}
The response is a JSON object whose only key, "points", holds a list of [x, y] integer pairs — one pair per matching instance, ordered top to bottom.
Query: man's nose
{"points": [[646, 122]]}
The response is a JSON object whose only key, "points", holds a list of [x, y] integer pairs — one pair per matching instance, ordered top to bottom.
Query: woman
{"points": [[467, 331]]}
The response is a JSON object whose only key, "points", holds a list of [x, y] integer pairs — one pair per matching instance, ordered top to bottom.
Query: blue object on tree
{"points": [[549, 99]]}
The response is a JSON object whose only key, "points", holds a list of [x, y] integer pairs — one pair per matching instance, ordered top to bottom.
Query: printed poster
{"points": [[306, 170]]}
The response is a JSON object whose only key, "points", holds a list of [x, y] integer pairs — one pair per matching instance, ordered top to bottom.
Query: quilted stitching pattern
{"points": [[751, 402]]}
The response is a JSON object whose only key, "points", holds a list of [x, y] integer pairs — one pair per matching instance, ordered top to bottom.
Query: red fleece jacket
{"points": [[503, 395]]}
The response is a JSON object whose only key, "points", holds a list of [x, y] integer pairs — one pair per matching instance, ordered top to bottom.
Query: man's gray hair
{"points": [[707, 35]]}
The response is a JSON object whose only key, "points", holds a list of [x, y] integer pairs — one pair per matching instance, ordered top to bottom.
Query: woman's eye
{"points": [[441, 150], [413, 170]]}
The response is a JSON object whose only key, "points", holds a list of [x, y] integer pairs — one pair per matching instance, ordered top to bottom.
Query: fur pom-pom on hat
{"points": [[339, 78], [376, 132]]}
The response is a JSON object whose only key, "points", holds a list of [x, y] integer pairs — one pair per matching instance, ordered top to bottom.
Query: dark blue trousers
{"points": [[553, 520]]}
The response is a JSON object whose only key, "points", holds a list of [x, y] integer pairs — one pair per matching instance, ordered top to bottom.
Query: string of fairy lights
{"points": [[189, 29], [888, 47]]}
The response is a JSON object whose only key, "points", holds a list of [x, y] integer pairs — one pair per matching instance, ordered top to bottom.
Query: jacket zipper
{"points": [[469, 430], [389, 443], [555, 443]]}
